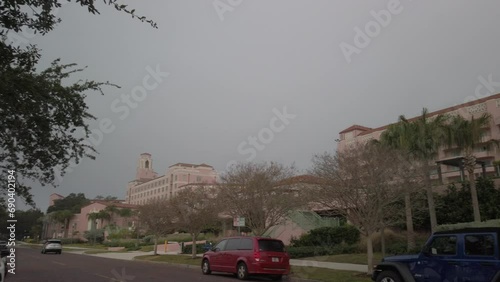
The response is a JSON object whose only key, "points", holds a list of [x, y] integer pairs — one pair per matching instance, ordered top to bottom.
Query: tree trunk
{"points": [[470, 164], [473, 192], [430, 198], [66, 227], [410, 233], [382, 240], [156, 246], [193, 248], [369, 252]]}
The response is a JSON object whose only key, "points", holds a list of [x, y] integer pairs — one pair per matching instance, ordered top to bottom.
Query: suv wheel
{"points": [[205, 267], [242, 272], [388, 276]]}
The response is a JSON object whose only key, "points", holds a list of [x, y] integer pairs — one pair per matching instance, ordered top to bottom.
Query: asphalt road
{"points": [[33, 266]]}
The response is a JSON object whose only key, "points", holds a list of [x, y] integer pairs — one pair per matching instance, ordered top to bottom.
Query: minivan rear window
{"points": [[271, 246]]}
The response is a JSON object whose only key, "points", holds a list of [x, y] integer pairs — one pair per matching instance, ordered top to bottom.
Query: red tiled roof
{"points": [[355, 127], [190, 165], [116, 203]]}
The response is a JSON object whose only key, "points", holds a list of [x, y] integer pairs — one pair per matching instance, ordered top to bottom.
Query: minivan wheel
{"points": [[205, 267], [242, 273], [388, 276], [276, 277]]}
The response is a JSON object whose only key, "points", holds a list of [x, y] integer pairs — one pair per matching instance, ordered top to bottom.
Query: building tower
{"points": [[145, 168]]}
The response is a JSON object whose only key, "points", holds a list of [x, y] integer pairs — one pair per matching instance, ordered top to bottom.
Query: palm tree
{"points": [[466, 134], [395, 137], [421, 138], [112, 210], [93, 216], [63, 217]]}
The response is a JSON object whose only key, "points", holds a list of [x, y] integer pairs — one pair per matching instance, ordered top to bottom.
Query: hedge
{"points": [[327, 237], [199, 249], [313, 251]]}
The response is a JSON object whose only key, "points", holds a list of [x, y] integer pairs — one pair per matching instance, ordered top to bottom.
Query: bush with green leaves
{"points": [[455, 205], [120, 234], [94, 236], [328, 237], [71, 241], [199, 249], [314, 251]]}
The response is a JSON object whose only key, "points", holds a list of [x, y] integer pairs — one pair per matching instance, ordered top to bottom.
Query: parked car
{"points": [[52, 246], [4, 252], [471, 254], [246, 256], [3, 266]]}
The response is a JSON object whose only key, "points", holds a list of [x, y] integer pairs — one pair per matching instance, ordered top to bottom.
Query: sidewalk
{"points": [[293, 262]]}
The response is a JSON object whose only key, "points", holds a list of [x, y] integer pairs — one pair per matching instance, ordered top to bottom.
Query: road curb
{"points": [[287, 278]]}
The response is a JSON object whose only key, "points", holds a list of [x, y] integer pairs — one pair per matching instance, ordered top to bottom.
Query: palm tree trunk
{"points": [[473, 192], [430, 198], [66, 227], [410, 233]]}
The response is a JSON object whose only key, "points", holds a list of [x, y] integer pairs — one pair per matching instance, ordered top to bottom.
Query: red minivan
{"points": [[246, 256]]}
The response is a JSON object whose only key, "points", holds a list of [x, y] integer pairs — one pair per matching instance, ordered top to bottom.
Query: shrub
{"points": [[119, 234], [96, 235], [328, 237], [149, 239], [71, 241], [199, 249], [313, 251]]}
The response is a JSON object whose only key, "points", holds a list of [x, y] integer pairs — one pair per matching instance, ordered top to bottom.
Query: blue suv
{"points": [[471, 254]]}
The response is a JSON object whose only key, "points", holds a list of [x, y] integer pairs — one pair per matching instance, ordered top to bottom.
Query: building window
{"points": [[175, 178], [198, 179]]}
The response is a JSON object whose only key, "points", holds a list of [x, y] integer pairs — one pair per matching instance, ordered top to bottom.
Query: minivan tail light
{"points": [[256, 256]]}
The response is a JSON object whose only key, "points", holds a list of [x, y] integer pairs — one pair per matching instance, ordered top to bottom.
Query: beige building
{"points": [[449, 166], [148, 185]]}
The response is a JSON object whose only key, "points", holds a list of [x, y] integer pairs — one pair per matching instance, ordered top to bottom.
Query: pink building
{"points": [[447, 163], [148, 185], [81, 222]]}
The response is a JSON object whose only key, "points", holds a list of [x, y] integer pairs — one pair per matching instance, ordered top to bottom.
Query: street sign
{"points": [[238, 221]]}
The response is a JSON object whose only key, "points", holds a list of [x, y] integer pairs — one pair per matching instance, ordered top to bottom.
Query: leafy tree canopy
{"points": [[44, 120], [73, 202]]}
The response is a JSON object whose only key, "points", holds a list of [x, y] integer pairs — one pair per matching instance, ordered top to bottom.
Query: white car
{"points": [[52, 246], [4, 252], [3, 265]]}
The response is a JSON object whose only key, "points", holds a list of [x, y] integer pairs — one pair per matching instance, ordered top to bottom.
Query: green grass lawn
{"points": [[347, 258], [314, 273], [324, 274]]}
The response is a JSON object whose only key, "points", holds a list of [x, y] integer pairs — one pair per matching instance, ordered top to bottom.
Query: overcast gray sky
{"points": [[233, 65]]}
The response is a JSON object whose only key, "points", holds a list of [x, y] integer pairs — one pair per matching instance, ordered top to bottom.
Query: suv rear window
{"points": [[54, 241], [271, 246]]}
